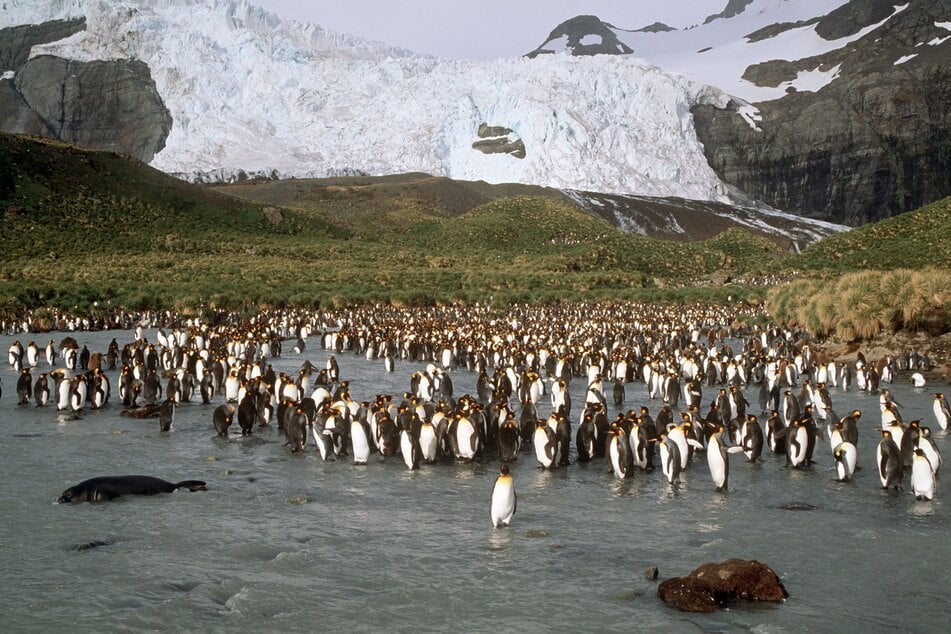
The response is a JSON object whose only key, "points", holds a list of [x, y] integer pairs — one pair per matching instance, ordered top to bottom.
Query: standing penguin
{"points": [[24, 387], [41, 390], [942, 412], [166, 414], [222, 418], [751, 438], [409, 443], [545, 443], [797, 444], [618, 453], [669, 459], [718, 459], [888, 459], [922, 477], [503, 499]]}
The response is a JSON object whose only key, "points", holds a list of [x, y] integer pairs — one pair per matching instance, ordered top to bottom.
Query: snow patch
{"points": [[943, 25], [591, 40], [939, 40], [905, 58], [8, 75], [751, 115]]}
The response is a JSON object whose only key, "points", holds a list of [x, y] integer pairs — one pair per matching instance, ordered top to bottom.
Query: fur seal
{"points": [[111, 487]]}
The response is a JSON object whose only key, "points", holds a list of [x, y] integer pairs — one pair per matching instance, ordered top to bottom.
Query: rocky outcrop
{"points": [[583, 35], [17, 42], [110, 105], [498, 140], [873, 143], [712, 586]]}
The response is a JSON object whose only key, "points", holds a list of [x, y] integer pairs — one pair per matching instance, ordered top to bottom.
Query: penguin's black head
{"points": [[504, 470]]}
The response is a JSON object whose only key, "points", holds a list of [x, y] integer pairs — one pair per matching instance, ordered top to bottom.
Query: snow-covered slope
{"points": [[719, 50], [249, 91]]}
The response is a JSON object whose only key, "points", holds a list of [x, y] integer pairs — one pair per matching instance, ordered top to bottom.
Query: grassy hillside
{"points": [[84, 227], [90, 230], [912, 240]]}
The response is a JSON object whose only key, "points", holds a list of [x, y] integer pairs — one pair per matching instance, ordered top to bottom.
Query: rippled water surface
{"points": [[378, 547]]}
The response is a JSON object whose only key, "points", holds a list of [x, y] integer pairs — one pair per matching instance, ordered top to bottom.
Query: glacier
{"points": [[249, 91]]}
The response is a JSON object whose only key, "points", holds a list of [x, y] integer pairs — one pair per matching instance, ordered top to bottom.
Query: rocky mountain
{"points": [[110, 104], [831, 109], [839, 109]]}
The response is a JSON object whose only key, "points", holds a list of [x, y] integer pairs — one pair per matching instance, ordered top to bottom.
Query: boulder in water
{"points": [[713, 585]]}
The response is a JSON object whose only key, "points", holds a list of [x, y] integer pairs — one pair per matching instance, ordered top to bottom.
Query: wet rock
{"points": [[299, 499], [796, 506], [535, 533], [651, 573], [713, 585], [690, 594]]}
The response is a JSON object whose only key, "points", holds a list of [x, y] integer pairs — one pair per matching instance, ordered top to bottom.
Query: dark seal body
{"points": [[110, 487]]}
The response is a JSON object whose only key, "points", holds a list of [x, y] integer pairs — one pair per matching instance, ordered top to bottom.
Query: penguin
{"points": [[206, 386], [24, 387], [41, 390], [618, 392], [942, 412], [247, 413], [166, 414], [222, 418], [295, 428], [387, 435], [586, 438], [641, 438], [751, 438], [466, 439], [509, 439], [360, 441], [428, 441], [545, 443], [409, 444], [797, 444], [931, 451], [618, 453], [845, 455], [669, 459], [718, 459], [888, 459], [922, 477], [503, 499]]}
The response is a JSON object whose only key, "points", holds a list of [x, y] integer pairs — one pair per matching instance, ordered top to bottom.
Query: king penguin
{"points": [[922, 477], [503, 501]]}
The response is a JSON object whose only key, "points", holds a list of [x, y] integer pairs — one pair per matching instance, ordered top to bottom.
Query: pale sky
{"points": [[481, 29]]}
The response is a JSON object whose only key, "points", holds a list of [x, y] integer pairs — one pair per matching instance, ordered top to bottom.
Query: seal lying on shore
{"points": [[111, 487]]}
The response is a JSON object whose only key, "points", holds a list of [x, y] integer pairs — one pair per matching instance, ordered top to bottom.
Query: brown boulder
{"points": [[712, 585]]}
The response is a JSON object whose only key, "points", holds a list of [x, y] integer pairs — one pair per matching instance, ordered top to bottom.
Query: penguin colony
{"points": [[524, 358]]}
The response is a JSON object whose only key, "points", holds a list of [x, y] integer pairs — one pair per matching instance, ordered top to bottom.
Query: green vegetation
{"points": [[88, 231], [916, 239]]}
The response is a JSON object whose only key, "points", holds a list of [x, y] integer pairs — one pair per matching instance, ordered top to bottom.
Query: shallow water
{"points": [[378, 547]]}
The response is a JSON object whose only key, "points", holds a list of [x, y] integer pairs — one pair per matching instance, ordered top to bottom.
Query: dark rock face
{"points": [[733, 8], [586, 35], [16, 42], [111, 105], [496, 140], [873, 143], [711, 586]]}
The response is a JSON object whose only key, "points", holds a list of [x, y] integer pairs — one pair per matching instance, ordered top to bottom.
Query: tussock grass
{"points": [[861, 305]]}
